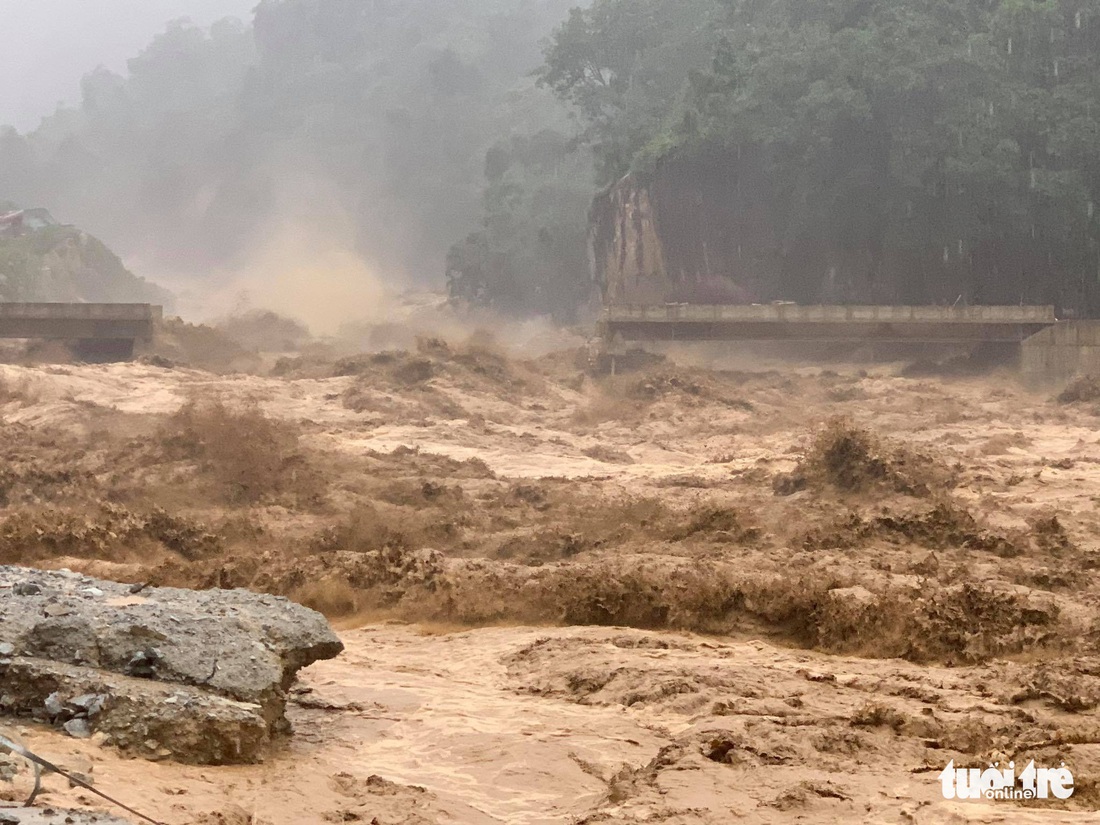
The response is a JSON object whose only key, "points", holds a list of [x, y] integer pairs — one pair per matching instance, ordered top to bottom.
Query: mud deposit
{"points": [[682, 595]]}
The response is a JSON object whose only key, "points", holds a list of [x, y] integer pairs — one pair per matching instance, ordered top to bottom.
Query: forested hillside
{"points": [[376, 114], [847, 150], [864, 150]]}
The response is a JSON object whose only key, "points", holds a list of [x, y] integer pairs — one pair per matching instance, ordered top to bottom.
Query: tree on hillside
{"points": [[624, 65], [530, 255]]}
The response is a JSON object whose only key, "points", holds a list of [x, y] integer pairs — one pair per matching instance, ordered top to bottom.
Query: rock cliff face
{"points": [[717, 228], [691, 231], [627, 252]]}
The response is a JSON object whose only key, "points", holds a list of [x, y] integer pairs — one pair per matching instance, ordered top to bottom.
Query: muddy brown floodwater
{"points": [[768, 593]]}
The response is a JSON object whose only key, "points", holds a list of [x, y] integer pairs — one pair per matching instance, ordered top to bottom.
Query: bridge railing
{"points": [[81, 312], [824, 314]]}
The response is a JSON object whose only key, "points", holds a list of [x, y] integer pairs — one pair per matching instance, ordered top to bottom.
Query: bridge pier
{"points": [[103, 350]]}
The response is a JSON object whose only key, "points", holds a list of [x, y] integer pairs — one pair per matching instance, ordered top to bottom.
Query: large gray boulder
{"points": [[198, 676]]}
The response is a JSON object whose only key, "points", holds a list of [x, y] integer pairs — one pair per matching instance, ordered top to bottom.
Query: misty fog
{"points": [[46, 46], [321, 153]]}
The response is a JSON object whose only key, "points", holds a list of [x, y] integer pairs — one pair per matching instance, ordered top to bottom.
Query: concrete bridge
{"points": [[790, 322], [96, 332], [1051, 351]]}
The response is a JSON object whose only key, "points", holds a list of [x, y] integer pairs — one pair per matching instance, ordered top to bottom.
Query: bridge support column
{"points": [[102, 350]]}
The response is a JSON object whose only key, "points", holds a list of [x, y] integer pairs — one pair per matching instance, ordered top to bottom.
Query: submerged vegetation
{"points": [[873, 546]]}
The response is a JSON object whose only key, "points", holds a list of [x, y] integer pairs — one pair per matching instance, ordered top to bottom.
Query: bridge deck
{"points": [[88, 322], [790, 322]]}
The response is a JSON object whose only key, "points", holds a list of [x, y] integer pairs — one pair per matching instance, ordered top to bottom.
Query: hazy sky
{"points": [[47, 45]]}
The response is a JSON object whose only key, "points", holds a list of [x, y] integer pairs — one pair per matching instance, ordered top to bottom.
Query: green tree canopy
{"points": [[955, 141]]}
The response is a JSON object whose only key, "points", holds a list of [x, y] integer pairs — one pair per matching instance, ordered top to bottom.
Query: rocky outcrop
{"points": [[710, 227], [684, 233], [626, 249], [41, 260], [197, 676]]}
